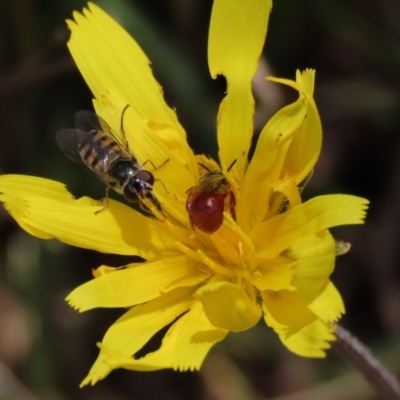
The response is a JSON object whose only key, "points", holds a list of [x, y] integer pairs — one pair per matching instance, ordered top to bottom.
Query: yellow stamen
{"points": [[217, 268]]}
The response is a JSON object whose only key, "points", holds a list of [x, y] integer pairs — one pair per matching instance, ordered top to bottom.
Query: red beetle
{"points": [[207, 201]]}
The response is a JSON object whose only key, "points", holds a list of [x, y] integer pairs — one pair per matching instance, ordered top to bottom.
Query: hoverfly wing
{"points": [[87, 121], [90, 122], [70, 142], [80, 147]]}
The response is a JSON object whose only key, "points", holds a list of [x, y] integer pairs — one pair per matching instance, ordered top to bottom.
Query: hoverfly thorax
{"points": [[121, 172]]}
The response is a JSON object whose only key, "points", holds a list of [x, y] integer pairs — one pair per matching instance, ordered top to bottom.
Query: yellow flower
{"points": [[273, 262]]}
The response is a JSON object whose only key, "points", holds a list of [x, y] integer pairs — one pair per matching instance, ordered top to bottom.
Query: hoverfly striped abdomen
{"points": [[95, 146]]}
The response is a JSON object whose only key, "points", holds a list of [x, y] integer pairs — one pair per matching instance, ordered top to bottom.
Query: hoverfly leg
{"points": [[148, 161], [152, 164], [165, 188], [150, 196], [106, 201], [155, 202], [101, 209], [146, 210]]}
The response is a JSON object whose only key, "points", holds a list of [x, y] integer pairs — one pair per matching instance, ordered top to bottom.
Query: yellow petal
{"points": [[237, 34], [109, 59], [306, 145], [266, 165], [15, 188], [289, 188], [40, 206], [118, 229], [276, 234], [315, 260], [274, 274], [136, 284], [227, 306], [328, 306], [286, 312], [136, 327], [299, 329], [195, 337], [311, 341], [184, 347], [160, 359]]}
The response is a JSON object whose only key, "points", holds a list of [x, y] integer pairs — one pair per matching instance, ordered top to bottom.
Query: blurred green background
{"points": [[46, 348]]}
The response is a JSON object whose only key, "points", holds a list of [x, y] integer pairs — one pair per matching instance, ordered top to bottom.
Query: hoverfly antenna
{"points": [[122, 124]]}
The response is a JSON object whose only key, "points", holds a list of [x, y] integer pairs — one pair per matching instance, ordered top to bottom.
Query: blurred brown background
{"points": [[46, 348]]}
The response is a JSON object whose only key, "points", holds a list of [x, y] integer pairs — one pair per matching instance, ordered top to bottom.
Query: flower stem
{"points": [[356, 353]]}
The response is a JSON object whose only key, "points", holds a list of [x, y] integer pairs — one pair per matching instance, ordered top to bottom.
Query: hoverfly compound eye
{"points": [[145, 176], [139, 186], [130, 193]]}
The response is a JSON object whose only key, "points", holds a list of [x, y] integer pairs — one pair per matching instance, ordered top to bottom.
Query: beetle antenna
{"points": [[232, 164], [203, 166]]}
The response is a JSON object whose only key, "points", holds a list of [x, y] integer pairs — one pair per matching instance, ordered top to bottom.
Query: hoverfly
{"points": [[95, 146], [206, 202]]}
